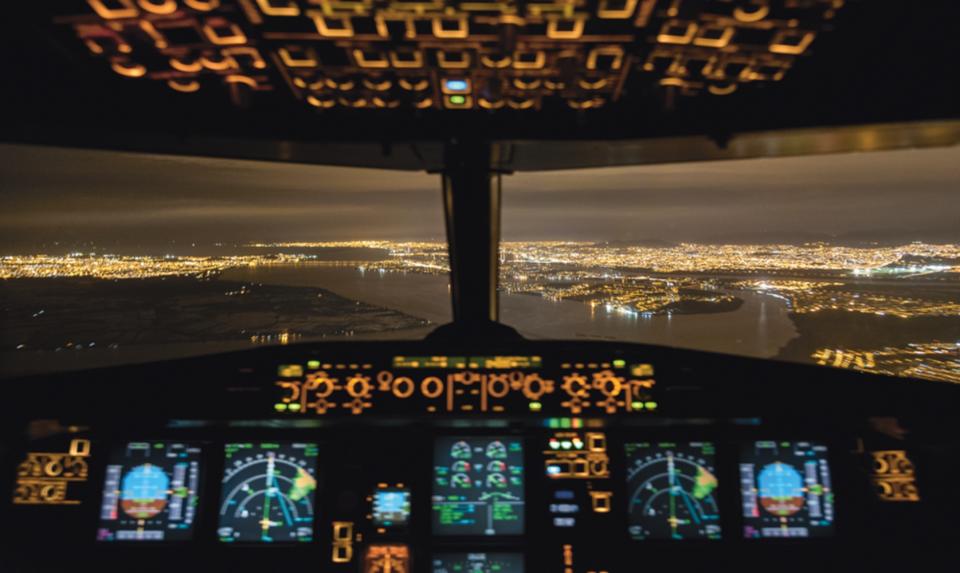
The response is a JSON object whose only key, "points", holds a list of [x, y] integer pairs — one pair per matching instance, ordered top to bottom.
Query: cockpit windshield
{"points": [[113, 258], [848, 260]]}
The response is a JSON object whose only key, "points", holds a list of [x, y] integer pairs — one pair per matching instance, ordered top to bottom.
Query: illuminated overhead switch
{"points": [[456, 86], [458, 101], [289, 370], [600, 501]]}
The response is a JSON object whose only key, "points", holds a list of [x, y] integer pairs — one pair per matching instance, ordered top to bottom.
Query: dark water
{"points": [[760, 327]]}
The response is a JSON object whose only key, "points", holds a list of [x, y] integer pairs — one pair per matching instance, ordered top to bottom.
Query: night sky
{"points": [[51, 194]]}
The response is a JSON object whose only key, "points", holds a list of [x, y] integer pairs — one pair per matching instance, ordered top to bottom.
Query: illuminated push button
{"points": [[456, 86], [458, 101], [641, 370], [581, 468], [600, 501]]}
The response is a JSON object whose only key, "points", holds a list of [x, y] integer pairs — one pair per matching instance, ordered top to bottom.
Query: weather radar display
{"points": [[478, 486], [785, 489], [672, 491], [150, 492], [268, 492], [478, 563]]}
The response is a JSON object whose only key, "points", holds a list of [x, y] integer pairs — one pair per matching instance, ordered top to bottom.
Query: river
{"points": [[759, 328]]}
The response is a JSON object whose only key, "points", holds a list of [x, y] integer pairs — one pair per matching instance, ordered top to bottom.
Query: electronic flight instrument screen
{"points": [[478, 486], [672, 488], [786, 490], [150, 492], [267, 492], [391, 507], [478, 563]]}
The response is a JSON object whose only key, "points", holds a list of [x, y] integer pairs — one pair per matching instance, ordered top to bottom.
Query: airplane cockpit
{"points": [[476, 448]]}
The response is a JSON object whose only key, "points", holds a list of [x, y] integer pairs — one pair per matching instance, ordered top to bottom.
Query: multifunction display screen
{"points": [[478, 486], [391, 507], [478, 563]]}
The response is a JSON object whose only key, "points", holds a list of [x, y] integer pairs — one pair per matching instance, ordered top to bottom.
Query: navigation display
{"points": [[478, 486], [672, 489], [785, 489], [150, 492], [267, 492], [391, 507], [478, 563]]}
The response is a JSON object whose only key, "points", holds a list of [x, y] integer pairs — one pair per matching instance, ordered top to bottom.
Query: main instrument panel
{"points": [[569, 457]]}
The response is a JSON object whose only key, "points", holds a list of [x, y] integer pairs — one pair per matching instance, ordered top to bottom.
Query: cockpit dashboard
{"points": [[503, 458]]}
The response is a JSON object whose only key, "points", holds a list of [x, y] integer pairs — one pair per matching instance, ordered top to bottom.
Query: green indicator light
{"points": [[458, 100], [619, 363], [313, 364], [636, 405], [651, 405], [535, 406], [280, 407], [294, 407], [553, 423], [565, 423], [158, 446]]}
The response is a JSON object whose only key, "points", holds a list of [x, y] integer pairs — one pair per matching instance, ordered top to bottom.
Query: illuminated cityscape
{"points": [[822, 286], [932, 361]]}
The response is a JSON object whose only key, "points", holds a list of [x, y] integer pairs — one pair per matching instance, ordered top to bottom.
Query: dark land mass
{"points": [[51, 314], [840, 329]]}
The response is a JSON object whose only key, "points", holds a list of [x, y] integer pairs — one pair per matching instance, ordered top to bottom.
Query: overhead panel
{"points": [[443, 55]]}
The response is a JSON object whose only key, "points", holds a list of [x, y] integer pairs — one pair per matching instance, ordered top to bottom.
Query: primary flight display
{"points": [[786, 490], [150, 492]]}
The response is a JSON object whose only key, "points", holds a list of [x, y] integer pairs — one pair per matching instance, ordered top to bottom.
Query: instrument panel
{"points": [[468, 476]]}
